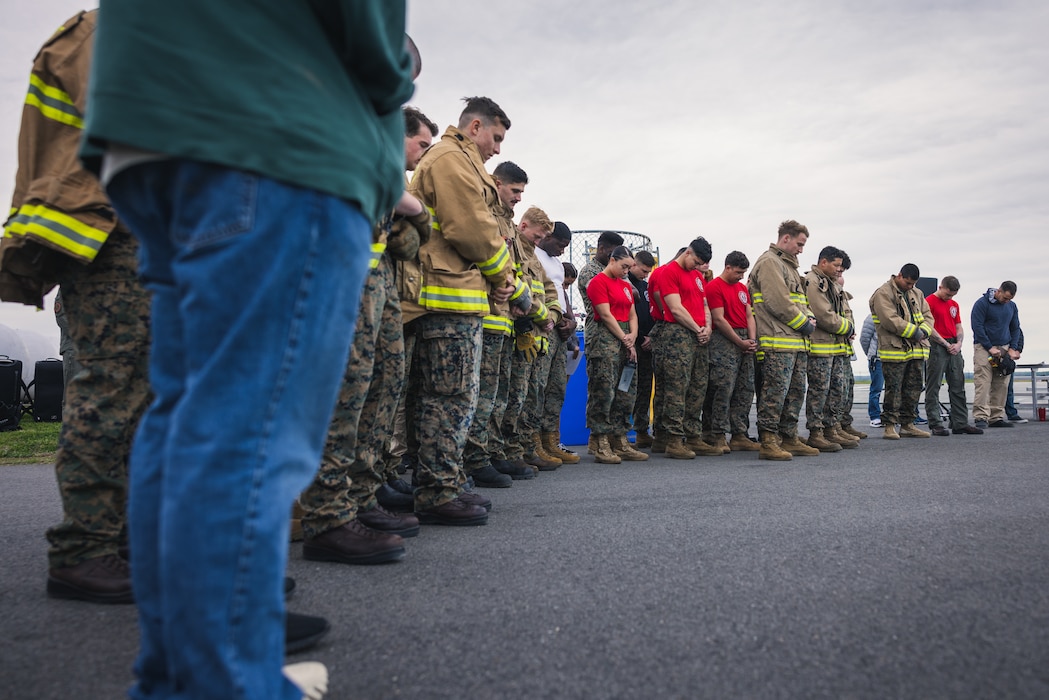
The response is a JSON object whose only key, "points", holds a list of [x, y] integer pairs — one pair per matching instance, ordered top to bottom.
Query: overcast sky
{"points": [[901, 131]]}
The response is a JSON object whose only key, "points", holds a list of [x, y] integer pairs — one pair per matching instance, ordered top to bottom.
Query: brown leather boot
{"points": [[849, 430], [835, 435], [643, 440], [817, 440], [719, 442], [742, 443], [696, 444], [552, 445], [622, 447], [796, 447], [540, 449], [676, 449], [770, 449], [603, 454], [296, 522]]}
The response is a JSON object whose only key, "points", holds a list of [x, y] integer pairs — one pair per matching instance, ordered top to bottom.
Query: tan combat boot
{"points": [[849, 430], [909, 430], [890, 432], [834, 434], [643, 440], [817, 440], [719, 442], [742, 443], [696, 444], [552, 445], [591, 445], [622, 447], [796, 447], [540, 449], [676, 449], [770, 449], [603, 454]]}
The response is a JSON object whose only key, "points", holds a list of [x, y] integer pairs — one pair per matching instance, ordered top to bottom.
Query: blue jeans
{"points": [[256, 286], [877, 384], [1010, 407]]}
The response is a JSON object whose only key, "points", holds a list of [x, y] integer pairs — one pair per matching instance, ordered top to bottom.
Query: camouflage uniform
{"points": [[108, 316], [66, 348], [494, 356], [446, 366], [681, 367], [826, 374], [556, 385], [730, 387], [607, 408], [843, 414], [512, 442], [497, 445], [350, 471]]}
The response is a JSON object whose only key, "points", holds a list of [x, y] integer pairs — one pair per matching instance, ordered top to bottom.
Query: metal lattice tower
{"points": [[584, 243]]}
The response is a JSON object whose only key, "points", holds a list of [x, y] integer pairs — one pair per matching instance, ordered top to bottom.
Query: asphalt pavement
{"points": [[901, 569]]}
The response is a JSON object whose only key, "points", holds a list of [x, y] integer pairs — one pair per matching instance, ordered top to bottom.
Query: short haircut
{"points": [[485, 109], [414, 120], [510, 173], [538, 217], [792, 228], [561, 231], [609, 238], [701, 249], [680, 251], [621, 253], [830, 253], [645, 258], [737, 259], [846, 261], [570, 270], [910, 272], [951, 283], [1008, 286]]}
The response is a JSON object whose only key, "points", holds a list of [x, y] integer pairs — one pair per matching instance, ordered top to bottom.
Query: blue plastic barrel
{"points": [[573, 414]]}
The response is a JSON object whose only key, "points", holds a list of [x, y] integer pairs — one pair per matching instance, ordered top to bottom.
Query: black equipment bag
{"points": [[50, 391], [10, 393]]}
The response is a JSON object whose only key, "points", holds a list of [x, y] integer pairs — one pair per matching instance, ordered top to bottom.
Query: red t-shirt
{"points": [[654, 286], [689, 286], [618, 294], [733, 298], [946, 315]]}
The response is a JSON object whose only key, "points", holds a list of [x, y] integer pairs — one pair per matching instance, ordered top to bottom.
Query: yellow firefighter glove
{"points": [[527, 346]]}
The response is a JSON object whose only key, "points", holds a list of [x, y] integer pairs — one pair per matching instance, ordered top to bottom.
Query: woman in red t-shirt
{"points": [[610, 337]]}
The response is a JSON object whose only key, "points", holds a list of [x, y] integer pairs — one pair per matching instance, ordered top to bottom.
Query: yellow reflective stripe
{"points": [[53, 103], [434, 224], [58, 228], [377, 250], [494, 264], [538, 287], [519, 289], [757, 298], [451, 299], [540, 314], [798, 321], [498, 323], [843, 327], [909, 330], [774, 343], [824, 348], [894, 355]]}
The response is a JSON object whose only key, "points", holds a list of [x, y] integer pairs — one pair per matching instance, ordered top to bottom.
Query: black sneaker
{"points": [[981, 424], [1001, 424], [967, 430], [941, 431], [513, 471], [488, 477], [302, 632]]}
